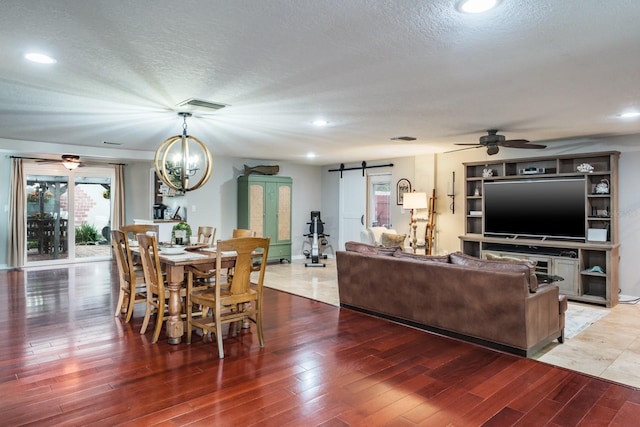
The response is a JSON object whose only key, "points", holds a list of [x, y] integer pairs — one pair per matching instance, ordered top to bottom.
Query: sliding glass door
{"points": [[68, 213]]}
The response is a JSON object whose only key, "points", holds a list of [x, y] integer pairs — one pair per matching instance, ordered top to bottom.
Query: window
{"points": [[379, 201]]}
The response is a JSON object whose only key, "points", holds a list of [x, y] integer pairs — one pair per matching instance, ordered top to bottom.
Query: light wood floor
{"points": [[609, 348]]}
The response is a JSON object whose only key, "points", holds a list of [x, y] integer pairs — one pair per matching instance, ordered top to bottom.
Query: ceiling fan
{"points": [[493, 142], [69, 161]]}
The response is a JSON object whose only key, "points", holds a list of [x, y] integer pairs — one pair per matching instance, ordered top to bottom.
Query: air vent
{"points": [[202, 104], [403, 138], [111, 143]]}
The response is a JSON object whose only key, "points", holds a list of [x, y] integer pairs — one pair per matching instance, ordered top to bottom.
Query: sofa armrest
{"points": [[545, 314]]}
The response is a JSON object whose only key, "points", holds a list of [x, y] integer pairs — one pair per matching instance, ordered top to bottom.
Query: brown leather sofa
{"points": [[493, 303]]}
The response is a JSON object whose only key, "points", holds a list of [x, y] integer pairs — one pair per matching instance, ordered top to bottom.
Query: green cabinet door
{"points": [[264, 206]]}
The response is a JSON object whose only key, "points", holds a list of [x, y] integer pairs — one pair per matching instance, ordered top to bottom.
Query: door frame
{"points": [[56, 169]]}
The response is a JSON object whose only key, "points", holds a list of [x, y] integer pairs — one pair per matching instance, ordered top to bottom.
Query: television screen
{"points": [[553, 208]]}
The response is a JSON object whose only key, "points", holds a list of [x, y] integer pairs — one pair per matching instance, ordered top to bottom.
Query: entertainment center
{"points": [[560, 212]]}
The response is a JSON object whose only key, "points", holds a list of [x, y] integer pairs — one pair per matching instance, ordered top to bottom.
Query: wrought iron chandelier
{"points": [[175, 164]]}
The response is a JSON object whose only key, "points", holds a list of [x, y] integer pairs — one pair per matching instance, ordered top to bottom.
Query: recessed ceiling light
{"points": [[477, 6], [40, 58], [630, 115], [320, 122], [311, 155]]}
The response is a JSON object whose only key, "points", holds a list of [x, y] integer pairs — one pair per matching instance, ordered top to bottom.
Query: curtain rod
{"points": [[53, 160], [363, 166]]}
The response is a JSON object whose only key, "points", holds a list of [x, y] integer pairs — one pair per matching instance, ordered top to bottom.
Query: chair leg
{"points": [[120, 303], [130, 305], [189, 306], [159, 320], [145, 322], [259, 324], [219, 334]]}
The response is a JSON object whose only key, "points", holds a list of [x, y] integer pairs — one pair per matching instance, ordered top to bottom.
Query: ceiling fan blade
{"points": [[516, 141], [469, 143], [523, 145], [466, 148]]}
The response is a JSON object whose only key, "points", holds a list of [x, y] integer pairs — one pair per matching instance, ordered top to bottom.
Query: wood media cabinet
{"points": [[589, 266]]}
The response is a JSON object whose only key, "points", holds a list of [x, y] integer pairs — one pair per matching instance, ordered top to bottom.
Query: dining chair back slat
{"points": [[132, 230], [241, 232], [206, 234]]}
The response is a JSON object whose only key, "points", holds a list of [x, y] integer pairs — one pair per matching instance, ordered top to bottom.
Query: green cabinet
{"points": [[264, 206]]}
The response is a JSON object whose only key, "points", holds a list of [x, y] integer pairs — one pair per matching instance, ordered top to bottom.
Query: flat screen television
{"points": [[540, 208]]}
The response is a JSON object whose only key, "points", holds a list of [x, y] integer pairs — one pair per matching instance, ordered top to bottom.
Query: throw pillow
{"points": [[393, 240], [362, 248], [506, 258], [464, 259]]}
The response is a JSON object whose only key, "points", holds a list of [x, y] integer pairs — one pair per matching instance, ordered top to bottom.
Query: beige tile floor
{"points": [[609, 348]]}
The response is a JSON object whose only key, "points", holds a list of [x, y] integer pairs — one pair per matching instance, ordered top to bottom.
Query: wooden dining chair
{"points": [[241, 232], [206, 234], [132, 286], [157, 293], [242, 300]]}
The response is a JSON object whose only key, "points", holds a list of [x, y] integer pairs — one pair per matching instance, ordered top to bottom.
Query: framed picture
{"points": [[403, 186]]}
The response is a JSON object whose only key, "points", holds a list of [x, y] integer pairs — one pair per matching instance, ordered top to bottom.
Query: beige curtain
{"points": [[117, 196], [17, 201]]}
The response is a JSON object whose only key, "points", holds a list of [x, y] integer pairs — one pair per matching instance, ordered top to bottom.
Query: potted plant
{"points": [[181, 233]]}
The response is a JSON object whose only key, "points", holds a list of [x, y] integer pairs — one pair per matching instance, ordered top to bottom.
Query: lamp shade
{"points": [[414, 201]]}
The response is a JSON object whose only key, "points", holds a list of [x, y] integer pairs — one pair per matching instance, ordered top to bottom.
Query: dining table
{"points": [[174, 266]]}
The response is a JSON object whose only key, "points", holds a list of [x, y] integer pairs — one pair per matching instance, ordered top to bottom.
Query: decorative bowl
{"points": [[585, 168], [172, 250]]}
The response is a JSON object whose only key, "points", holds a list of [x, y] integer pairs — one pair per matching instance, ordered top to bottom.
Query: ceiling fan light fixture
{"points": [[477, 6], [70, 161]]}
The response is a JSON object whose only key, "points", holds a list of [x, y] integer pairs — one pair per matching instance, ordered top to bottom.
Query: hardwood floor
{"points": [[67, 361]]}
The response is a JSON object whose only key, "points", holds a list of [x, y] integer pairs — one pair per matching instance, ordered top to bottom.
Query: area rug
{"points": [[578, 317]]}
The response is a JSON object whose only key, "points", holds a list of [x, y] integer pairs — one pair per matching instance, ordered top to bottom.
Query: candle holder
{"points": [[451, 193]]}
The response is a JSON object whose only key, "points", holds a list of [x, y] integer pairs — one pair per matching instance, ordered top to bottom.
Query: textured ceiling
{"points": [[540, 70]]}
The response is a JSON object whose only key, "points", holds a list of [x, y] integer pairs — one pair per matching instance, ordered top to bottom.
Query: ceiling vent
{"points": [[201, 104], [403, 138]]}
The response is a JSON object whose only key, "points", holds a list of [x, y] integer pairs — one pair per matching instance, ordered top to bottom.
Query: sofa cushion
{"points": [[393, 240], [364, 248], [426, 258], [524, 266]]}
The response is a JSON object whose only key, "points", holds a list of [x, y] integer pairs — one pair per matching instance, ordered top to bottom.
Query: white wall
{"points": [[215, 203]]}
